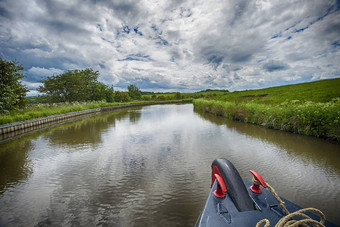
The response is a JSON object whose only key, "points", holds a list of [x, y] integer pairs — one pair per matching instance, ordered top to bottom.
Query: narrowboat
{"points": [[234, 201]]}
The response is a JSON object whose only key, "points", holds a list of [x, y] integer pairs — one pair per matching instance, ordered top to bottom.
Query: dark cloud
{"points": [[240, 10], [128, 11], [4, 12], [60, 27], [137, 57], [241, 57], [215, 60], [272, 66]]}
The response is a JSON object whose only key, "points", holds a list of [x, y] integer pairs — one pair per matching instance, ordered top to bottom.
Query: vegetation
{"points": [[76, 85], [82, 86], [319, 91], [12, 92], [134, 92], [207, 94], [120, 96], [309, 108]]}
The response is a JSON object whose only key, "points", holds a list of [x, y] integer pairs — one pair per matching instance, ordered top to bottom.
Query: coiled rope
{"points": [[288, 221]]}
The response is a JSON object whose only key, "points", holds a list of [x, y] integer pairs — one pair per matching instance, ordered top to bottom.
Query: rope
{"points": [[277, 197], [288, 221]]}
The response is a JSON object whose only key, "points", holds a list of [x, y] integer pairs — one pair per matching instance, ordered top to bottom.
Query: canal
{"points": [[150, 166]]}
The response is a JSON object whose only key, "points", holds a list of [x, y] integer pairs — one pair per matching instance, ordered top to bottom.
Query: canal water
{"points": [[150, 166]]}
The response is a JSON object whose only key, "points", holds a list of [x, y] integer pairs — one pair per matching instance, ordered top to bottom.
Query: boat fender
{"points": [[233, 182]]}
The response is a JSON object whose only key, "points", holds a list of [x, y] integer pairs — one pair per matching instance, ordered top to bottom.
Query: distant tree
{"points": [[76, 85], [12, 91], [134, 92], [109, 94], [177, 95], [120, 96], [126, 97], [161, 97], [37, 99]]}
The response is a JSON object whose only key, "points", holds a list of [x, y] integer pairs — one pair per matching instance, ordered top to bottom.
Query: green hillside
{"points": [[319, 91], [309, 108]]}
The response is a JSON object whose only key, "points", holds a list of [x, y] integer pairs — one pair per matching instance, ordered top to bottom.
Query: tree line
{"points": [[71, 86]]}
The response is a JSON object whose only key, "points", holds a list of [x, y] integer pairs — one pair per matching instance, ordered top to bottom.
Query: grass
{"points": [[319, 91], [172, 96], [310, 108], [44, 110]]}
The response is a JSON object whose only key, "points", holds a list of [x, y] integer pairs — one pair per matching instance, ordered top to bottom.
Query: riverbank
{"points": [[310, 109], [45, 110], [39, 117]]}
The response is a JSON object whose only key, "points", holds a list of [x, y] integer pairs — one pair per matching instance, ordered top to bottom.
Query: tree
{"points": [[76, 85], [12, 91], [134, 92], [109, 94], [177, 95], [120, 96], [125, 97]]}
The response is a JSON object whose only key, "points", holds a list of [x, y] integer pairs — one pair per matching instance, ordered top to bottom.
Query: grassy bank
{"points": [[309, 108], [44, 110]]}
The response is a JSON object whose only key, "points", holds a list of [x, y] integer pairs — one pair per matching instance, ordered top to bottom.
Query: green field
{"points": [[176, 95], [308, 108]]}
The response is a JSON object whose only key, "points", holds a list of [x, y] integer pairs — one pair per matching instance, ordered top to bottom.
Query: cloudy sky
{"points": [[174, 45]]}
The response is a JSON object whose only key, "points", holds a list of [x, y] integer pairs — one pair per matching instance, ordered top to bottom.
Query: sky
{"points": [[173, 45]]}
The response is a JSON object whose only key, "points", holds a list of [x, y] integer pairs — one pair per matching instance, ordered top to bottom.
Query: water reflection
{"points": [[89, 130], [310, 150], [14, 166], [151, 166]]}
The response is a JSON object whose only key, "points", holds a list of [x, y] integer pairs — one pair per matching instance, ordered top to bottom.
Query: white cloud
{"points": [[184, 45], [43, 72]]}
